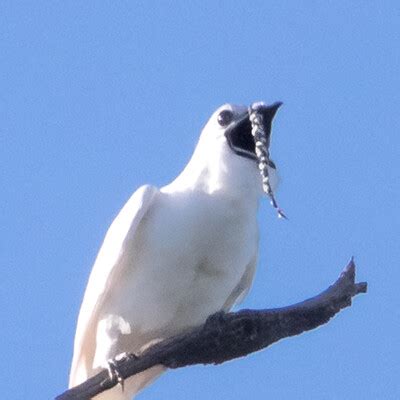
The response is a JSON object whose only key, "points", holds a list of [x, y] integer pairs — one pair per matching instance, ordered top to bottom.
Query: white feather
{"points": [[170, 259], [105, 268]]}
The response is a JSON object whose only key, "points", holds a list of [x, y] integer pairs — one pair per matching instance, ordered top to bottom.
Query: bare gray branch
{"points": [[226, 336]]}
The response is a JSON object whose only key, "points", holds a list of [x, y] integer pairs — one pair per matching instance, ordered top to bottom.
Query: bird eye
{"points": [[225, 117]]}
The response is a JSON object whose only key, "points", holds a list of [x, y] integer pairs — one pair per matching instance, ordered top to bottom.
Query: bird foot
{"points": [[114, 373]]}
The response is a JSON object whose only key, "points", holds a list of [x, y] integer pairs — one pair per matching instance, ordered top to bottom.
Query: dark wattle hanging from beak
{"points": [[261, 118], [250, 135], [240, 138]]}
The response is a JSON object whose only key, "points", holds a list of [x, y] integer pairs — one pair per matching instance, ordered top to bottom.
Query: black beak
{"points": [[239, 136]]}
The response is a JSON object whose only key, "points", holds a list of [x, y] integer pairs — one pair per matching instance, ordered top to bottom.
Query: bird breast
{"points": [[187, 256]]}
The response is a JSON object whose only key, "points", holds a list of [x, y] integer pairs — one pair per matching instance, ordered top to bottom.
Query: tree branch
{"points": [[226, 336]]}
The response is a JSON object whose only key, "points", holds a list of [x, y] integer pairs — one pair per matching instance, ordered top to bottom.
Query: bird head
{"points": [[230, 124], [225, 156]]}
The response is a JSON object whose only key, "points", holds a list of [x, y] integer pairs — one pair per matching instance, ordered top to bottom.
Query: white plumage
{"points": [[172, 257]]}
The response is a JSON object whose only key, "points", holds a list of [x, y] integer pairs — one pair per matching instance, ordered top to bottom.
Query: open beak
{"points": [[239, 136]]}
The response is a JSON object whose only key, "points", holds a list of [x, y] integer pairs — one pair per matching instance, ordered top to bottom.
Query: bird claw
{"points": [[113, 370], [114, 373]]}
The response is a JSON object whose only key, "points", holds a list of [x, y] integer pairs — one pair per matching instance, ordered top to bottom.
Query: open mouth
{"points": [[240, 137]]}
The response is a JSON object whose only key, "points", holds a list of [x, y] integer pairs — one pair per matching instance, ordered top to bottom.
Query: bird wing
{"points": [[105, 269], [242, 288]]}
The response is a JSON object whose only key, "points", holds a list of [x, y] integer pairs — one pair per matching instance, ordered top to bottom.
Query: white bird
{"points": [[175, 255]]}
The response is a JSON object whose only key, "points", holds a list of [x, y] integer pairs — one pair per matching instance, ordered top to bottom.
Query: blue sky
{"points": [[98, 98]]}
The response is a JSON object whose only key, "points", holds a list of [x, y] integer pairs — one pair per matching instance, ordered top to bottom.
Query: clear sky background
{"points": [[97, 98]]}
